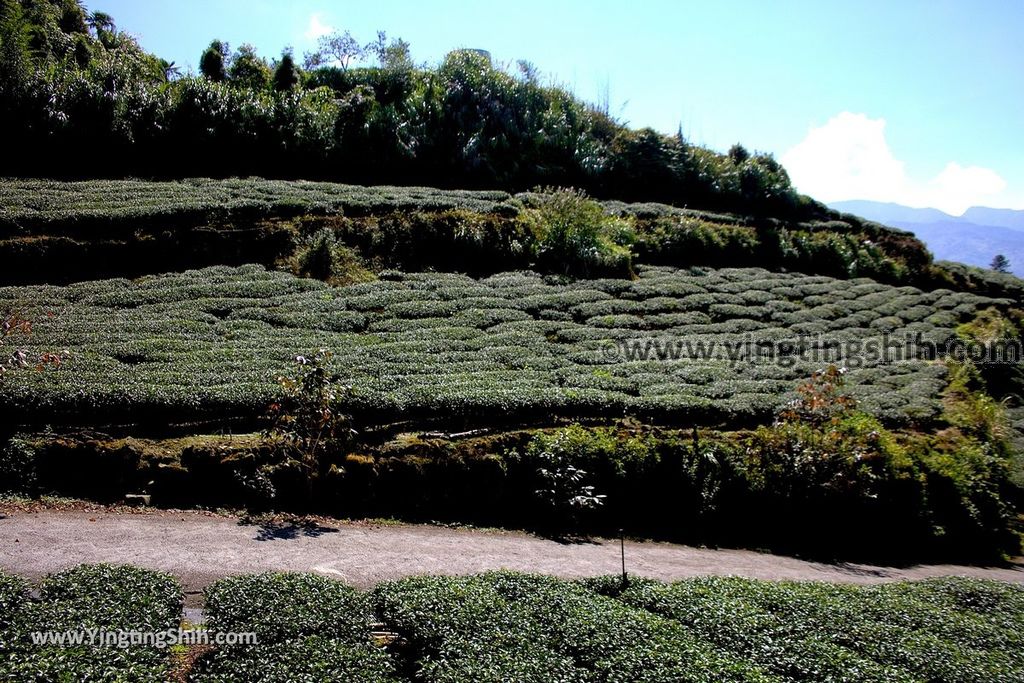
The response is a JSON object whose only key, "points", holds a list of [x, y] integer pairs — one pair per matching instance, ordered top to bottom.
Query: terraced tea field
{"points": [[35, 204], [515, 346], [506, 626]]}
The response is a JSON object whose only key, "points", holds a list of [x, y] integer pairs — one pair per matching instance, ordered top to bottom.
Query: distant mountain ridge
{"points": [[889, 213], [1004, 218], [973, 238]]}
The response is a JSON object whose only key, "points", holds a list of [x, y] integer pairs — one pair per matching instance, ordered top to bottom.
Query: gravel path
{"points": [[200, 548]]}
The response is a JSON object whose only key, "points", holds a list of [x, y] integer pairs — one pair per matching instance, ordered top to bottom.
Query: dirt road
{"points": [[200, 548]]}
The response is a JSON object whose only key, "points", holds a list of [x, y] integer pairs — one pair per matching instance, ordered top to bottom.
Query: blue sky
{"points": [[915, 102]]}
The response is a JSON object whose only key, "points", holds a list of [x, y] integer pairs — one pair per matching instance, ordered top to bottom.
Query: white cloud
{"points": [[317, 27], [849, 158], [963, 186]]}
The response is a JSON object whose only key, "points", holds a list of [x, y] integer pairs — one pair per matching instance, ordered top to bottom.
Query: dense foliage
{"points": [[68, 89], [76, 208], [66, 231], [575, 236], [209, 344], [675, 347], [922, 446], [939, 496], [111, 598], [13, 608], [502, 625], [309, 628], [817, 631]]}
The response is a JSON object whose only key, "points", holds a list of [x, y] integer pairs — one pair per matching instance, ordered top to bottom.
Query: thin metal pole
{"points": [[622, 549]]}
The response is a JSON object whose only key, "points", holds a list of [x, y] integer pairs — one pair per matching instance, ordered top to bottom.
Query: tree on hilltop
{"points": [[339, 48], [213, 62], [248, 69], [286, 75], [1000, 264]]}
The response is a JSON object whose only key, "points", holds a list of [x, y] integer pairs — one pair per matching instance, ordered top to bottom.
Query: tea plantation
{"points": [[68, 207], [53, 231], [448, 311], [513, 346], [737, 366], [87, 599], [506, 626]]}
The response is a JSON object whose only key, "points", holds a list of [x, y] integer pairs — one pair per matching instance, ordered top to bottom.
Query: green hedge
{"points": [[80, 208], [90, 229], [210, 343], [111, 596], [107, 597], [285, 606], [13, 612], [503, 626], [507, 626], [309, 628], [812, 631], [313, 658]]}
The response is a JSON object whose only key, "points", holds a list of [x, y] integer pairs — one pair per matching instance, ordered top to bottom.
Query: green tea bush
{"points": [[88, 204], [111, 227], [209, 344], [112, 596], [108, 597], [998, 604], [280, 607], [13, 612], [722, 612], [883, 625], [506, 626], [308, 628], [463, 629], [812, 631], [616, 643], [310, 658]]}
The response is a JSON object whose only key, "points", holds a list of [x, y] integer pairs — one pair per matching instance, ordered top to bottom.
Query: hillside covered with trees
{"points": [[79, 97]]}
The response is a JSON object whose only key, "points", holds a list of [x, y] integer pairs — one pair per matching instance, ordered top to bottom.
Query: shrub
{"points": [[575, 236], [324, 258], [207, 345], [308, 426], [17, 467], [564, 486], [108, 597], [115, 597], [281, 607], [13, 612], [508, 626], [309, 628], [463, 629], [817, 631], [311, 658]]}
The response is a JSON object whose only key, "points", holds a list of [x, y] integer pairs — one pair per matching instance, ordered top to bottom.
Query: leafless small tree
{"points": [[337, 48]]}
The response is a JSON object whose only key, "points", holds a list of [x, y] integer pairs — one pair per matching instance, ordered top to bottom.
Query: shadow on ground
{"points": [[287, 530], [569, 539]]}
